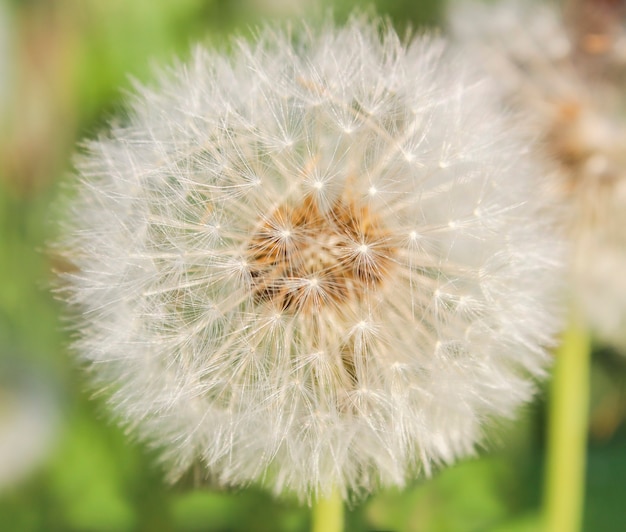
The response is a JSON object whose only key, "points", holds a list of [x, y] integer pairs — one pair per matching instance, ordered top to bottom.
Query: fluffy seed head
{"points": [[568, 80], [320, 261]]}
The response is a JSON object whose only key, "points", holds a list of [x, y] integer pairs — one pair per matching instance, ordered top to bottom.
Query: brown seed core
{"points": [[302, 259]]}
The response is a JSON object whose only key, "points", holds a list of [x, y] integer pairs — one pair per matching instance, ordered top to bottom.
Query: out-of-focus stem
{"points": [[567, 431], [328, 514]]}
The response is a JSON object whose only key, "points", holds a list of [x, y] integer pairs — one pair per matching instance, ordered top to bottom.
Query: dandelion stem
{"points": [[567, 431], [328, 513]]}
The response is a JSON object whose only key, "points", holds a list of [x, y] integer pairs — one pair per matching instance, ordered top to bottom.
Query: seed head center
{"points": [[302, 259]]}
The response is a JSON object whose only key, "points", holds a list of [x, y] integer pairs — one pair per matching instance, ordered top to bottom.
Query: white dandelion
{"points": [[567, 79], [319, 262]]}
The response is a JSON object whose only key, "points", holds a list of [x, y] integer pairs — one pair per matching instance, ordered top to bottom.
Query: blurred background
{"points": [[65, 67]]}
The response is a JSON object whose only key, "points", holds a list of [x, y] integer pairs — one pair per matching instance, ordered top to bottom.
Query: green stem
{"points": [[567, 431], [328, 514]]}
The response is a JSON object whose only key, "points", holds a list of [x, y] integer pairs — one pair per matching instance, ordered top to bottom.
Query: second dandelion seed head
{"points": [[562, 69]]}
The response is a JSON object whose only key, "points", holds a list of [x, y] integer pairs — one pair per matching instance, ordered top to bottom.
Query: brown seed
{"points": [[302, 259]]}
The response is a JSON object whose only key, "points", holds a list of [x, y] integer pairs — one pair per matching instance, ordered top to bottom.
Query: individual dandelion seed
{"points": [[566, 74], [320, 262]]}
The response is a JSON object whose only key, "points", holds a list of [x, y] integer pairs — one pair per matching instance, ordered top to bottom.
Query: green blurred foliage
{"points": [[68, 65]]}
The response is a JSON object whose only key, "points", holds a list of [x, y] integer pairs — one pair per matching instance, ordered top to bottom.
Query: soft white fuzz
{"points": [[568, 81], [320, 261]]}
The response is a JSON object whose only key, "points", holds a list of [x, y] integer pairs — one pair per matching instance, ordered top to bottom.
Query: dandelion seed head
{"points": [[565, 75], [297, 314]]}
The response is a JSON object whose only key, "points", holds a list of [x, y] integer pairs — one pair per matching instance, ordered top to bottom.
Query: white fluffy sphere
{"points": [[320, 261]]}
